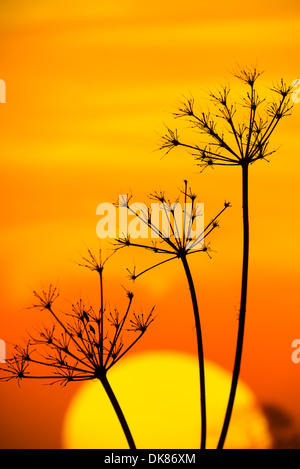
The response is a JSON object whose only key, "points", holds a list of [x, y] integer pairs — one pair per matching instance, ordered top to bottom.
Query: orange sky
{"points": [[88, 92]]}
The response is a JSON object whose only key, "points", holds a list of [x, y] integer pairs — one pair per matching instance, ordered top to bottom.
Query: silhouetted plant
{"points": [[244, 140], [177, 244], [83, 344]]}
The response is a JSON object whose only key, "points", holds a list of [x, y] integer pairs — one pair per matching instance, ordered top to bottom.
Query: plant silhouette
{"points": [[244, 140], [177, 243], [82, 345]]}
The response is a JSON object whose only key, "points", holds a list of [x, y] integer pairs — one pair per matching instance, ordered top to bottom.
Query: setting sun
{"points": [[88, 93], [159, 392]]}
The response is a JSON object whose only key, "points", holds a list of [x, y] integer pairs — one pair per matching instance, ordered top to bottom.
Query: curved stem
{"points": [[242, 316], [200, 350], [118, 411]]}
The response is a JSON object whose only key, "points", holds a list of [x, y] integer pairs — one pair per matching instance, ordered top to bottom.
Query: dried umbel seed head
{"points": [[245, 137], [184, 234], [94, 262], [46, 298], [140, 323], [80, 342]]}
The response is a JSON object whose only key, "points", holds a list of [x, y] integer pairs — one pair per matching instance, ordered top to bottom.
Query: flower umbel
{"points": [[238, 143], [176, 243], [46, 298], [141, 323], [82, 344]]}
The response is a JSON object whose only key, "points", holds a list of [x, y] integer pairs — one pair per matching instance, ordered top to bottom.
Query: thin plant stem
{"points": [[101, 316], [242, 316], [200, 350], [118, 411]]}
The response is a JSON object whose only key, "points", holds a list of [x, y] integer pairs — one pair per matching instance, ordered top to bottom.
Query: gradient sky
{"points": [[89, 90]]}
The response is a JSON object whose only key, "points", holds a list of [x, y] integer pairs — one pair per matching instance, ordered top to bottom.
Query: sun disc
{"points": [[159, 395]]}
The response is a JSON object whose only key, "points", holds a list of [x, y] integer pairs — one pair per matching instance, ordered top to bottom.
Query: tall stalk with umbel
{"points": [[242, 142], [176, 243], [82, 345]]}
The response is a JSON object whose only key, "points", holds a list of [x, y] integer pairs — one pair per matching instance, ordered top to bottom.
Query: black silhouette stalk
{"points": [[243, 142], [175, 246], [82, 345], [200, 351], [118, 411]]}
